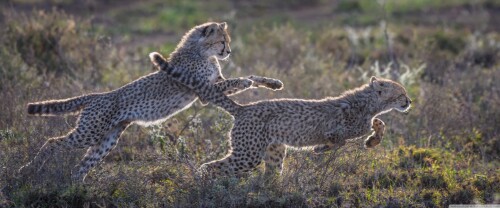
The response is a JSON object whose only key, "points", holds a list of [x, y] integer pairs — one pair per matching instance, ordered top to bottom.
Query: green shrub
{"points": [[349, 6], [449, 42], [48, 44], [429, 156], [411, 157], [385, 179], [432, 180], [486, 186], [335, 189], [465, 195], [65, 197], [431, 197]]}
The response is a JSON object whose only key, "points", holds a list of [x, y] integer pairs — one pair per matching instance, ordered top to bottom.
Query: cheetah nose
{"points": [[228, 51], [409, 100]]}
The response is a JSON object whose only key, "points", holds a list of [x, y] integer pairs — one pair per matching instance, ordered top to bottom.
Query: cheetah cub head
{"points": [[208, 39], [391, 95]]}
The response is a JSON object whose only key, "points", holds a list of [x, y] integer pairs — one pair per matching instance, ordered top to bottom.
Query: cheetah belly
{"points": [[154, 105], [165, 112]]}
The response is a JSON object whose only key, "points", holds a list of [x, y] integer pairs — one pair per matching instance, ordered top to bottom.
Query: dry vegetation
{"points": [[446, 150]]}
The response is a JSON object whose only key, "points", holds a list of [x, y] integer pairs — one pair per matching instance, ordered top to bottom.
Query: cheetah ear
{"points": [[223, 25], [376, 84]]}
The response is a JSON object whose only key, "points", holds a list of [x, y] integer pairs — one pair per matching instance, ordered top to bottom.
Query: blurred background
{"points": [[444, 151]]}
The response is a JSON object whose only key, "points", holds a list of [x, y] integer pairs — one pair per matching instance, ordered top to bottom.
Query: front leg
{"points": [[270, 83], [234, 86], [231, 87], [373, 140]]}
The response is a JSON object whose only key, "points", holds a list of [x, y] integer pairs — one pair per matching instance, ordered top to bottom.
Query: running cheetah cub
{"points": [[148, 100], [264, 129]]}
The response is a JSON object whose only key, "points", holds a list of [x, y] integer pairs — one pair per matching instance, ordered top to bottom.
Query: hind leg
{"points": [[90, 129], [74, 139], [247, 152], [96, 153], [275, 154]]}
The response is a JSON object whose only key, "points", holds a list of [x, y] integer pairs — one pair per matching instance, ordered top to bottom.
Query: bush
{"points": [[49, 44], [429, 156], [411, 157], [385, 179], [432, 180], [486, 186], [465, 195], [431, 198]]}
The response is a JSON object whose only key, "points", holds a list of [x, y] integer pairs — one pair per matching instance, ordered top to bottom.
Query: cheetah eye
{"points": [[222, 42]]}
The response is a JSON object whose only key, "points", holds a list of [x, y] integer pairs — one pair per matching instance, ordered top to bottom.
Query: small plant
{"points": [[448, 42], [50, 43], [444, 151], [432, 180], [464, 195], [431, 198]]}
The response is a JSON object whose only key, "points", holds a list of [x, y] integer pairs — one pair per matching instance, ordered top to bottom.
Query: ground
{"points": [[444, 151]]}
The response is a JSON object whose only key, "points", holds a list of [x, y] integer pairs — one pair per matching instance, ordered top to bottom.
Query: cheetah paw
{"points": [[274, 84], [372, 141]]}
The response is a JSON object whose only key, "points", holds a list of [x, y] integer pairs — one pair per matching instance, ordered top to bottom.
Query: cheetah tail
{"points": [[160, 62], [58, 107]]}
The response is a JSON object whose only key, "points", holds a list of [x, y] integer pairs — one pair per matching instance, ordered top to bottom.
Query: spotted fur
{"points": [[186, 74], [148, 100], [264, 129]]}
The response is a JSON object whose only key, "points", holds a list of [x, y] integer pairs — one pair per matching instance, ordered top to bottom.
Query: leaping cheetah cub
{"points": [[150, 99], [262, 130]]}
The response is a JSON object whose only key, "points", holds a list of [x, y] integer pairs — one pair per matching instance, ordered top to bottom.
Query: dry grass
{"points": [[444, 151]]}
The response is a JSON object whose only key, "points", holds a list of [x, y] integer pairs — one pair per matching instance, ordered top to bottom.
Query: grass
{"points": [[397, 6], [159, 16], [444, 151]]}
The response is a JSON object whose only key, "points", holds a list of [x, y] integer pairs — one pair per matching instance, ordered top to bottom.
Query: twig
{"points": [[196, 110]]}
